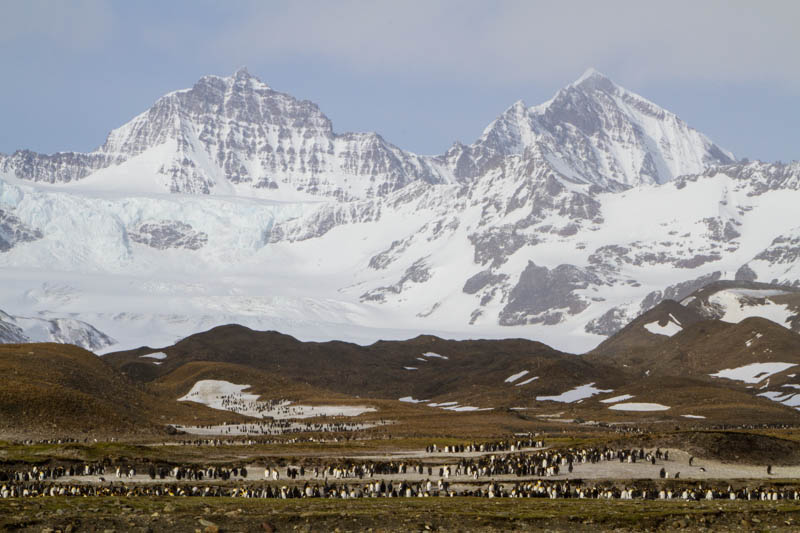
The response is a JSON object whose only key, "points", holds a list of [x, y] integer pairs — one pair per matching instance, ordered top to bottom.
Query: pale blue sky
{"points": [[421, 73]]}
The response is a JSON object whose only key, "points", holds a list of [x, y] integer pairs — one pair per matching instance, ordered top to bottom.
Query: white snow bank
{"points": [[737, 305], [669, 330], [750, 342], [431, 354], [155, 355], [410, 367], [754, 372], [514, 377], [521, 383], [212, 392], [578, 393], [227, 396], [409, 399], [616, 399], [791, 399], [443, 404], [633, 406], [462, 408], [693, 416], [257, 429]]}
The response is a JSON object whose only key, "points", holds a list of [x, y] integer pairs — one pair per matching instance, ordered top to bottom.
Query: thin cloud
{"points": [[77, 24], [528, 41]]}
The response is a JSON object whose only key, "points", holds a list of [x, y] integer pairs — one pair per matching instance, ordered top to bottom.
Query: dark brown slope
{"points": [[790, 296], [634, 344], [702, 348], [473, 369], [179, 382], [63, 390], [718, 401]]}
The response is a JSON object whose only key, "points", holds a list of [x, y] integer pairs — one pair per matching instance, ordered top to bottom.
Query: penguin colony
{"points": [[358, 480]]}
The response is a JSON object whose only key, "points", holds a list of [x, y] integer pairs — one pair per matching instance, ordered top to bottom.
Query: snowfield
{"points": [[188, 218], [739, 304], [754, 372], [227, 396], [790, 400]]}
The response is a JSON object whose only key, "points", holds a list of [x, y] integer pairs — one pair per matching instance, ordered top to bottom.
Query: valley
{"points": [[230, 316]]}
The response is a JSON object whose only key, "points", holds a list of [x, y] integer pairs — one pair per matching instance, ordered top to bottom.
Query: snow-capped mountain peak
{"points": [[594, 78], [561, 219]]}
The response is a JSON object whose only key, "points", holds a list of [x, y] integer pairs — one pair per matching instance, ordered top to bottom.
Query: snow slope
{"points": [[233, 203]]}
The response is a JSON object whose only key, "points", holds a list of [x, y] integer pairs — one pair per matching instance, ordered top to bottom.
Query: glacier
{"points": [[233, 203]]}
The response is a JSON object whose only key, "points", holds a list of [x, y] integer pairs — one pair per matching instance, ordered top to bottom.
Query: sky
{"points": [[422, 73]]}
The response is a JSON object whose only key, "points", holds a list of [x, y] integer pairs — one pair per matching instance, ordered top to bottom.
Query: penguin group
{"points": [[401, 489]]}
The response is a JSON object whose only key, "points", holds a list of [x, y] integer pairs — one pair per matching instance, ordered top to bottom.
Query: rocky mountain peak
{"points": [[593, 79]]}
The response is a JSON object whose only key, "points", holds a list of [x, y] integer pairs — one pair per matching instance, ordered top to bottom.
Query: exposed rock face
{"points": [[585, 127], [238, 131], [62, 167], [575, 213], [13, 231], [169, 234], [783, 250], [419, 272], [745, 273], [481, 280], [678, 291], [544, 296], [616, 318], [609, 322], [15, 329], [10, 333]]}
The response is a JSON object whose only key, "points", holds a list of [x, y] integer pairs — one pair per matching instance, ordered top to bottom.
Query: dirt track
{"points": [[678, 463]]}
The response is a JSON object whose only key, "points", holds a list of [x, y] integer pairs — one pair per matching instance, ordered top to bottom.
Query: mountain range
{"points": [[231, 202], [672, 366]]}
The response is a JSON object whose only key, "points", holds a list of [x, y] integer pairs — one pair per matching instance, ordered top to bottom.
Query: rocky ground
{"points": [[432, 514]]}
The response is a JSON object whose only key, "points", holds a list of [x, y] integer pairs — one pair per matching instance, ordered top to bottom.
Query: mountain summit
{"points": [[236, 135], [231, 202]]}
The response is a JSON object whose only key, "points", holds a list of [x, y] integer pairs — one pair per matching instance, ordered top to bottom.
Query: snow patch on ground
{"points": [[738, 304], [671, 328], [750, 342], [155, 355], [436, 355], [411, 368], [754, 372], [514, 377], [529, 380], [578, 393], [227, 396], [409, 399], [616, 399], [790, 400], [442, 404], [634, 406], [462, 408], [693, 416], [282, 428]]}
